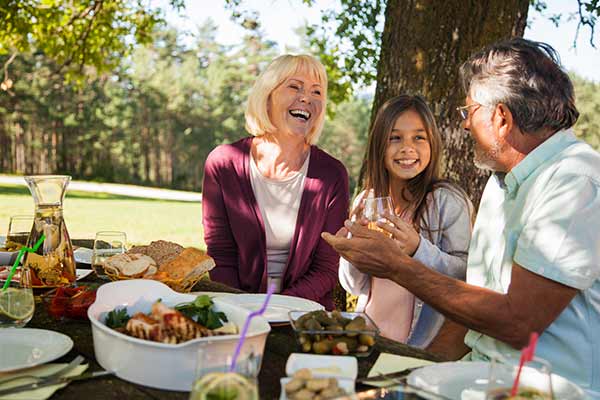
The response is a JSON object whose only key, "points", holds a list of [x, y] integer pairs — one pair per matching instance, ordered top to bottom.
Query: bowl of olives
{"points": [[336, 332]]}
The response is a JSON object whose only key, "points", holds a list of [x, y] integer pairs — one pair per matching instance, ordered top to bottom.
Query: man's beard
{"points": [[487, 159]]}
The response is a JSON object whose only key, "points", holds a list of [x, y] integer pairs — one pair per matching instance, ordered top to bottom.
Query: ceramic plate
{"points": [[83, 255], [80, 273], [279, 305], [25, 347], [464, 380]]}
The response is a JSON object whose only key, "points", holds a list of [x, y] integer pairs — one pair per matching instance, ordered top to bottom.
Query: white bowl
{"points": [[159, 365]]}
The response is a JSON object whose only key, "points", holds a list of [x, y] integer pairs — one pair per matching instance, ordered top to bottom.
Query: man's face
{"points": [[487, 144]]}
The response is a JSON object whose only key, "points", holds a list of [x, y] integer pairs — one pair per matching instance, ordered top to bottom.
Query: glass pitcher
{"points": [[53, 263]]}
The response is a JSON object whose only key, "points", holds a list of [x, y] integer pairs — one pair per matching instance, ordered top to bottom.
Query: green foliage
{"points": [[76, 34], [587, 95], [345, 135]]}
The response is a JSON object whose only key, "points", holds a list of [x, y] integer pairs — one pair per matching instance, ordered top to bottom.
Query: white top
{"points": [[278, 201], [544, 215], [443, 248]]}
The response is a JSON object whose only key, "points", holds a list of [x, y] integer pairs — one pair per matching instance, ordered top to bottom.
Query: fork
{"points": [[74, 363]]}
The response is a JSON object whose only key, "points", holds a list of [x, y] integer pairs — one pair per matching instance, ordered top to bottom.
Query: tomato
{"points": [[71, 302], [78, 305]]}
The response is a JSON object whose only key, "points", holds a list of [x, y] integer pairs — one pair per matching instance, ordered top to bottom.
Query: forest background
{"points": [[152, 115]]}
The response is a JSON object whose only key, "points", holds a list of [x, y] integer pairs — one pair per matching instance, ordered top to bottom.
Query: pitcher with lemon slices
{"points": [[16, 301]]}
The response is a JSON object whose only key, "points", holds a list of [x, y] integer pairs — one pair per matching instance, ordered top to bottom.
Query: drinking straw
{"points": [[18, 260], [253, 314], [526, 356]]}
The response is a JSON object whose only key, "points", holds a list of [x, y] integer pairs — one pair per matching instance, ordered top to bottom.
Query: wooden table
{"points": [[280, 344]]}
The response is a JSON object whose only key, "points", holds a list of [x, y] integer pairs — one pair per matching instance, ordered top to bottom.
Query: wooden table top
{"points": [[280, 344]]}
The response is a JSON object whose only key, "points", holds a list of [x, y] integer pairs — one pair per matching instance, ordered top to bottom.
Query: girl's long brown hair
{"points": [[377, 177]]}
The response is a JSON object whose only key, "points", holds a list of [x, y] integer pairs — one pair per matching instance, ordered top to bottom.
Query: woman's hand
{"points": [[403, 232]]}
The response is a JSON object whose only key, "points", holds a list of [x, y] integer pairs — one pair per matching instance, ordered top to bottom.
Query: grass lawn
{"points": [[86, 213]]}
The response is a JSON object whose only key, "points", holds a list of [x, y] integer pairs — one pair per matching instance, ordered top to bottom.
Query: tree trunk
{"points": [[423, 44]]}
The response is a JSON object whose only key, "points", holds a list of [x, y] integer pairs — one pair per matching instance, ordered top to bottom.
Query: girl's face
{"points": [[408, 151]]}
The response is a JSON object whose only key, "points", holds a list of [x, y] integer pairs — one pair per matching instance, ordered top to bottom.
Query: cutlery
{"points": [[74, 363], [383, 377], [54, 381]]}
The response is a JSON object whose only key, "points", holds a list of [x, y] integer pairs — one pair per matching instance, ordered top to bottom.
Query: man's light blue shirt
{"points": [[545, 216]]}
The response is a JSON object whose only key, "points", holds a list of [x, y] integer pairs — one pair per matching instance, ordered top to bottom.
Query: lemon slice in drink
{"points": [[16, 303], [224, 386]]}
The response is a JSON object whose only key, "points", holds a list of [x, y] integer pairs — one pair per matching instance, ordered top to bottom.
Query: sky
{"points": [[280, 18]]}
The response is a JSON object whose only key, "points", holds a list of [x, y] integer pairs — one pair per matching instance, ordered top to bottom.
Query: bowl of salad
{"points": [[150, 335]]}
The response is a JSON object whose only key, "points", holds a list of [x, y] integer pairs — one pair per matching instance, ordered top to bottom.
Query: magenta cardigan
{"points": [[234, 230]]}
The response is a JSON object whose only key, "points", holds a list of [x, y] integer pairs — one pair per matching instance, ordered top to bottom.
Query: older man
{"points": [[534, 259]]}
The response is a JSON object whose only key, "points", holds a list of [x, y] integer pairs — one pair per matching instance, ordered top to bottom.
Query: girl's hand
{"points": [[403, 232]]}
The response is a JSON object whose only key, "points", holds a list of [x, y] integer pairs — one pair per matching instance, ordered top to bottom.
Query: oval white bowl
{"points": [[159, 365]]}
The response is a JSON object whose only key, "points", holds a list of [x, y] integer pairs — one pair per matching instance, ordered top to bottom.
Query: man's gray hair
{"points": [[527, 77]]}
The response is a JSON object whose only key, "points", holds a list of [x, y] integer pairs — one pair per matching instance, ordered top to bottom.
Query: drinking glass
{"points": [[374, 209], [19, 228], [107, 244], [16, 301], [214, 381], [535, 381]]}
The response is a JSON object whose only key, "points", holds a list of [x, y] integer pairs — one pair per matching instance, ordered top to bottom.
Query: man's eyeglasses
{"points": [[464, 110]]}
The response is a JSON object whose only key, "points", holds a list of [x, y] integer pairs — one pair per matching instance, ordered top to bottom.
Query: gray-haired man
{"points": [[534, 259]]}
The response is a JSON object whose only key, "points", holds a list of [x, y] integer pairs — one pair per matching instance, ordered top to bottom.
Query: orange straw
{"points": [[526, 356]]}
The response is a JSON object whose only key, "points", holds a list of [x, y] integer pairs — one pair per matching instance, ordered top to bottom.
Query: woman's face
{"points": [[296, 104], [408, 152]]}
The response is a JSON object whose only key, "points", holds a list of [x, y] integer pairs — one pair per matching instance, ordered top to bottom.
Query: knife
{"points": [[384, 377], [54, 381]]}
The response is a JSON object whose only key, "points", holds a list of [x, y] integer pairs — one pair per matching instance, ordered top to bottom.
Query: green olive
{"points": [[367, 340], [322, 347]]}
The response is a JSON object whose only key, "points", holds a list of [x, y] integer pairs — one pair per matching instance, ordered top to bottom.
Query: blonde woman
{"points": [[268, 197]]}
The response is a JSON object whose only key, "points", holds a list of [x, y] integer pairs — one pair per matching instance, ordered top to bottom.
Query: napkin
{"points": [[387, 363], [41, 393]]}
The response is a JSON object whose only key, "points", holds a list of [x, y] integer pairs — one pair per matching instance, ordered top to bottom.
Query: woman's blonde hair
{"points": [[281, 68]]}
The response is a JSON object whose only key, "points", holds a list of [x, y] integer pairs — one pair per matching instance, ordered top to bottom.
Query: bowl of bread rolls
{"points": [[178, 267]]}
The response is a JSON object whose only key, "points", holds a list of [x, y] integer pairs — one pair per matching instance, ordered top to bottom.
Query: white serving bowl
{"points": [[159, 365]]}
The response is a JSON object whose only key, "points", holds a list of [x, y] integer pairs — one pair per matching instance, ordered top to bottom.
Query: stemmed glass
{"points": [[374, 209], [107, 244], [535, 381]]}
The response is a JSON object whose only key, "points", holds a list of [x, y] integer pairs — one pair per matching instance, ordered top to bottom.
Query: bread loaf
{"points": [[190, 260]]}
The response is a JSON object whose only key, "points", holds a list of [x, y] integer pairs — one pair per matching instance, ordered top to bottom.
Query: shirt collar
{"points": [[550, 147]]}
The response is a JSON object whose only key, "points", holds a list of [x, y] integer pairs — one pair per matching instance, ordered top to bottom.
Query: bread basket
{"points": [[180, 270]]}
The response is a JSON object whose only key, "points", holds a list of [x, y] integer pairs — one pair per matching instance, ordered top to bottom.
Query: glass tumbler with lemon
{"points": [[16, 301], [215, 381]]}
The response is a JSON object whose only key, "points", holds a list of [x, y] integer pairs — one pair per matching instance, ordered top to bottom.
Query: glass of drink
{"points": [[374, 209], [19, 228], [107, 244], [16, 300], [214, 380], [535, 381]]}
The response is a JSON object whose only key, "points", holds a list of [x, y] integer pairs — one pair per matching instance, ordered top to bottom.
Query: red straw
{"points": [[526, 356]]}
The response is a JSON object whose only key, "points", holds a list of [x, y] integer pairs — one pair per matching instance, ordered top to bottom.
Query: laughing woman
{"points": [[267, 197]]}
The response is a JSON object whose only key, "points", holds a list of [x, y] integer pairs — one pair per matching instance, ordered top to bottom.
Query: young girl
{"points": [[432, 222]]}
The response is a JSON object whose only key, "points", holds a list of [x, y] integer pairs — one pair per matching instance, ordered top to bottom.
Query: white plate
{"points": [[83, 255], [79, 273], [82, 273], [279, 305], [25, 347], [323, 366], [465, 380]]}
